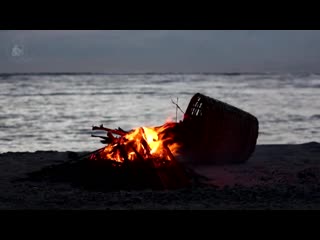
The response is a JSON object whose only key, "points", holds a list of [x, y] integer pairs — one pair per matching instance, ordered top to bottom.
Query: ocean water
{"points": [[57, 111]]}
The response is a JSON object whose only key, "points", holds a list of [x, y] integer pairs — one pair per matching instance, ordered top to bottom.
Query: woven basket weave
{"points": [[217, 132]]}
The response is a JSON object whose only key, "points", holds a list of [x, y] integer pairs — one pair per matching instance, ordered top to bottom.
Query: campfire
{"points": [[142, 144], [145, 150], [159, 157]]}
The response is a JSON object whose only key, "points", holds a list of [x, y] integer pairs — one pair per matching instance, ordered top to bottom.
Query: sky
{"points": [[187, 51]]}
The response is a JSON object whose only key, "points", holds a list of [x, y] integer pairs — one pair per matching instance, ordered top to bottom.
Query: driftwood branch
{"points": [[177, 106], [114, 131], [112, 138], [105, 140], [144, 143], [168, 152], [123, 153], [87, 154], [139, 157]]}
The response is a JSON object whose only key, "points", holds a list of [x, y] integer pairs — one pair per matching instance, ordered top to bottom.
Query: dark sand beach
{"points": [[275, 177]]}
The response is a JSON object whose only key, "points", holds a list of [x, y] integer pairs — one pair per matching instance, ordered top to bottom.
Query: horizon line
{"points": [[155, 73]]}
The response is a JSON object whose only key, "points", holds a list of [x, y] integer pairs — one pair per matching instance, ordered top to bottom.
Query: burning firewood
{"points": [[150, 148]]}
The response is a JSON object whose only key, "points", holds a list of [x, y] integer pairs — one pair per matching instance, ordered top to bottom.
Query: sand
{"points": [[275, 177]]}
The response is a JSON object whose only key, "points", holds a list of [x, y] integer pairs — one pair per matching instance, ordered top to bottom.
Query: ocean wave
{"points": [[146, 92], [315, 117], [296, 118]]}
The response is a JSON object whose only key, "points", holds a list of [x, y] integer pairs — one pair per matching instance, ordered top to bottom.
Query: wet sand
{"points": [[275, 177]]}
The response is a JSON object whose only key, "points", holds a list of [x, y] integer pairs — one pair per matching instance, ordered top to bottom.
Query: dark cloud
{"points": [[187, 51]]}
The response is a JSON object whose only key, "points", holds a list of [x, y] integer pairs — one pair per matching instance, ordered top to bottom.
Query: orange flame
{"points": [[143, 142]]}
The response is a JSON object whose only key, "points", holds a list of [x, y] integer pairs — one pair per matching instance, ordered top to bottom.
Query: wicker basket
{"points": [[216, 132]]}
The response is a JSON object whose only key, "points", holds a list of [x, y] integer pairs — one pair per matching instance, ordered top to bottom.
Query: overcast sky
{"points": [[160, 51]]}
